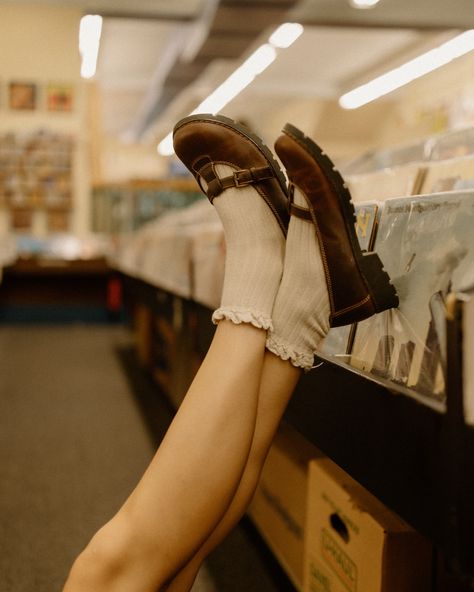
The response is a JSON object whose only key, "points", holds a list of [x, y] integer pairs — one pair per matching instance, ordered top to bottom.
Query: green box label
{"points": [[341, 564], [319, 582]]}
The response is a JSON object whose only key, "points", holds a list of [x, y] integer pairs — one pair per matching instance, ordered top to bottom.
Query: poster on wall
{"points": [[22, 96], [59, 97]]}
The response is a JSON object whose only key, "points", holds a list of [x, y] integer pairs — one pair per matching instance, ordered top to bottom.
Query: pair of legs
{"points": [[285, 282], [278, 380], [205, 471], [203, 475]]}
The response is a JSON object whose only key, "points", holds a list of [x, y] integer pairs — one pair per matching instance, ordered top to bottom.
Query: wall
{"points": [[39, 44], [113, 159]]}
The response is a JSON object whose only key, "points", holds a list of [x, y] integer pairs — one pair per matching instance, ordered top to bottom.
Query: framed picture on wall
{"points": [[22, 96], [59, 97], [21, 219]]}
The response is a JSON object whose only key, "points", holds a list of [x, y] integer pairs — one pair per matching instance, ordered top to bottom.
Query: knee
{"points": [[117, 558], [101, 564], [95, 567]]}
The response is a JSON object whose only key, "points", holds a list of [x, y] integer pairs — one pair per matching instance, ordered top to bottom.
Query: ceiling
{"points": [[424, 14], [158, 59], [145, 64]]}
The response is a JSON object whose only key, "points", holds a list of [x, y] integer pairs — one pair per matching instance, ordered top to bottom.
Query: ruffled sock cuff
{"points": [[239, 315], [285, 351]]}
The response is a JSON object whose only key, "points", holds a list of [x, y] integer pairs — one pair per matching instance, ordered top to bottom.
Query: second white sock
{"points": [[302, 308]]}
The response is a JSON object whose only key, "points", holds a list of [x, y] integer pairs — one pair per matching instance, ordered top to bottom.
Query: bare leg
{"points": [[316, 292], [279, 379], [195, 473], [192, 479]]}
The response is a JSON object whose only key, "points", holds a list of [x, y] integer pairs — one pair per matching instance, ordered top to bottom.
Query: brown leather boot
{"points": [[202, 141], [358, 286]]}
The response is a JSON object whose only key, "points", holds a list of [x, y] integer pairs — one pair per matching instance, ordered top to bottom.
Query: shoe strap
{"points": [[205, 169], [295, 210]]}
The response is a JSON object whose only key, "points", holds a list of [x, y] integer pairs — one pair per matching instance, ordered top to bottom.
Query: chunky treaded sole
{"points": [[247, 133], [371, 268], [380, 286]]}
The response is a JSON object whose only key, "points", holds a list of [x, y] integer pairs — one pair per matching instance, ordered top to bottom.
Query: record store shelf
{"points": [[416, 459]]}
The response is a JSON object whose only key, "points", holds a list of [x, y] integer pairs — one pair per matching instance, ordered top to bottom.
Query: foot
{"points": [[244, 182], [327, 280]]}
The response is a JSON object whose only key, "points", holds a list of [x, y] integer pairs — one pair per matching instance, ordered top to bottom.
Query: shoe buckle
{"points": [[243, 177]]}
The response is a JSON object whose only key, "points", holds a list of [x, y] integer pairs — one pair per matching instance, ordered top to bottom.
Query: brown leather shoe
{"points": [[202, 141], [358, 285]]}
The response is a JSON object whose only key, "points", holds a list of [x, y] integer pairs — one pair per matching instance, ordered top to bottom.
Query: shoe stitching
{"points": [[248, 138], [336, 187], [262, 193], [322, 251], [353, 306]]}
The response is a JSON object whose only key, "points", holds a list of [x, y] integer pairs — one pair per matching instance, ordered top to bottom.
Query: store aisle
{"points": [[75, 435]]}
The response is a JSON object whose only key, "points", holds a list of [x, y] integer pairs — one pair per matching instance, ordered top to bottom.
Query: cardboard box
{"points": [[278, 509], [354, 543]]}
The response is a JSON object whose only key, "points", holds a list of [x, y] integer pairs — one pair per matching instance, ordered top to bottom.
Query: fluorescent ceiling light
{"points": [[363, 3], [90, 30], [285, 35], [254, 65], [419, 66], [238, 80]]}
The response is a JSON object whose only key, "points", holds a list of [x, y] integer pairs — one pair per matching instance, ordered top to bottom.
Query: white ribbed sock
{"points": [[255, 248], [301, 311]]}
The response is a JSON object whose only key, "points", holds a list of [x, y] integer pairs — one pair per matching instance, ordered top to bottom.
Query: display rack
{"points": [[36, 172], [123, 207], [417, 460]]}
